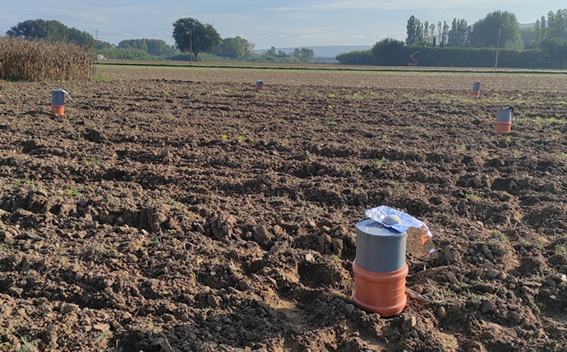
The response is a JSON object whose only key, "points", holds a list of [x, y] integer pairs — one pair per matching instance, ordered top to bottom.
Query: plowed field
{"points": [[176, 209]]}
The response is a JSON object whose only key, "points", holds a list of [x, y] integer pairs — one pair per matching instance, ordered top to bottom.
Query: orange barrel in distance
{"points": [[476, 89], [57, 102], [504, 120], [380, 267]]}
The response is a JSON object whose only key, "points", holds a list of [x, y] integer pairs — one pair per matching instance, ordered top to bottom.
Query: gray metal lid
{"points": [[373, 228]]}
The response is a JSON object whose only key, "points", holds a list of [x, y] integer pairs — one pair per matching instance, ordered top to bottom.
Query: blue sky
{"points": [[265, 23]]}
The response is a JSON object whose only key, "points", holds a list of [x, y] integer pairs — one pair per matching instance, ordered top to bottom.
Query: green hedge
{"points": [[391, 52], [125, 54], [203, 57], [358, 57], [474, 57]]}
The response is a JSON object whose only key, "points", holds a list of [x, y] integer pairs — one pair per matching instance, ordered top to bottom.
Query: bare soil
{"points": [[195, 214]]}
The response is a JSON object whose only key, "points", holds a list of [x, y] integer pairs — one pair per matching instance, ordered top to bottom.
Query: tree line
{"points": [[498, 28], [192, 38], [543, 45]]}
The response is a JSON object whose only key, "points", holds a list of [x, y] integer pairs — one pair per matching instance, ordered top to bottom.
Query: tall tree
{"points": [[557, 24], [51, 30], [414, 31], [425, 31], [485, 31], [540, 32], [432, 34], [445, 34], [191, 35], [458, 35], [528, 36], [82, 38], [440, 38], [102, 45], [159, 47], [230, 47], [236, 47], [249, 47], [389, 52], [304, 54]]}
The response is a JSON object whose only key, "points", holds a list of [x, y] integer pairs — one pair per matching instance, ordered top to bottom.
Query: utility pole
{"points": [[96, 33], [190, 48], [497, 48]]}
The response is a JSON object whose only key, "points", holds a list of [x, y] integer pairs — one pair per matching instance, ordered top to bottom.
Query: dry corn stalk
{"points": [[38, 60]]}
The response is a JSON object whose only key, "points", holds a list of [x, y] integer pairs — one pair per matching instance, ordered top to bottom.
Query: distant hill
{"points": [[526, 25], [325, 51]]}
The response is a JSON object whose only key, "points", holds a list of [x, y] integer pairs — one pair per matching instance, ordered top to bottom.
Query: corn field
{"points": [[39, 60]]}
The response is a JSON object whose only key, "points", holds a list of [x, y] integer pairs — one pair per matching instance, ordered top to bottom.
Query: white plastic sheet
{"points": [[407, 222]]}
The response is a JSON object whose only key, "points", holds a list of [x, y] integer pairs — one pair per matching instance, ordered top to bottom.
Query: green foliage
{"points": [[557, 24], [51, 30], [414, 30], [485, 31], [424, 33], [459, 33], [191, 35], [528, 37], [102, 45], [155, 47], [236, 48], [555, 49], [389, 52], [124, 54], [304, 54], [297, 55], [202, 57], [358, 57]]}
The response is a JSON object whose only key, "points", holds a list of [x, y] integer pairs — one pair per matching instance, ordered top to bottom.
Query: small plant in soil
{"points": [[93, 159], [378, 164], [25, 181], [72, 191], [471, 196], [176, 204], [155, 242], [560, 249], [494, 294], [27, 346]]}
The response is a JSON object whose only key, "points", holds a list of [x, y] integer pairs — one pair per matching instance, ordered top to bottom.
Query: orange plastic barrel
{"points": [[259, 85], [476, 88], [57, 110], [504, 119], [503, 127], [382, 293]]}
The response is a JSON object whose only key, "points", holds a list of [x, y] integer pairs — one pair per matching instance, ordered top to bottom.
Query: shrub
{"points": [[124, 54], [358, 57]]}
